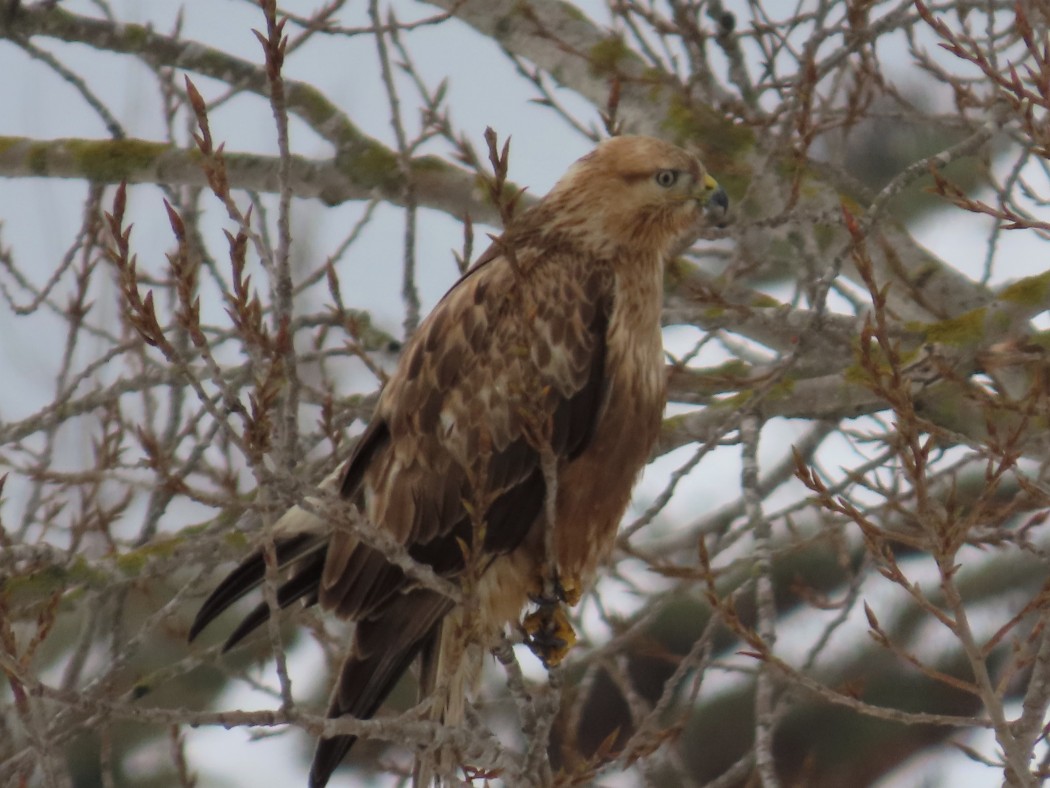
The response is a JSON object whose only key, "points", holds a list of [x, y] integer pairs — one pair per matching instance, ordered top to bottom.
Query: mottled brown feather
{"points": [[551, 342]]}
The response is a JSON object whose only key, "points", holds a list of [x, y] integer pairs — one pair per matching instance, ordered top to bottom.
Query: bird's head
{"points": [[641, 191]]}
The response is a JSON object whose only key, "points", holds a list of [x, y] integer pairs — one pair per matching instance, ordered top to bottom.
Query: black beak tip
{"points": [[718, 205]]}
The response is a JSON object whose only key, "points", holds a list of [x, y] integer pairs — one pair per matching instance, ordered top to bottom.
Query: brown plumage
{"points": [[547, 352]]}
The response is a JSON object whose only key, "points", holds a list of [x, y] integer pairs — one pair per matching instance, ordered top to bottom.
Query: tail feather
{"points": [[385, 644]]}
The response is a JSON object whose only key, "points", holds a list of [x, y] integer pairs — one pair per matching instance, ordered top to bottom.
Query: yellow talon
{"points": [[549, 633]]}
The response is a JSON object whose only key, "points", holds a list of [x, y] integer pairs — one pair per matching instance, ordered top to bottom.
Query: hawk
{"points": [[504, 447]]}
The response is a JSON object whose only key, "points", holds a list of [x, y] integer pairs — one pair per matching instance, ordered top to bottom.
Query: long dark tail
{"points": [[385, 643]]}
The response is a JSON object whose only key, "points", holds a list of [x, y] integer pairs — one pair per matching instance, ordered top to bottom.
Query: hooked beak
{"points": [[717, 204]]}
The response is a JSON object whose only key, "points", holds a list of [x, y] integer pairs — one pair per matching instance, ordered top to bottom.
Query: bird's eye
{"points": [[667, 178]]}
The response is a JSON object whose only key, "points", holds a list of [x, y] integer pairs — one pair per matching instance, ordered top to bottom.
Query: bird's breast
{"points": [[595, 488]]}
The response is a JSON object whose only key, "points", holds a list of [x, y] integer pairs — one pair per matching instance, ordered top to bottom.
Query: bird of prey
{"points": [[504, 446]]}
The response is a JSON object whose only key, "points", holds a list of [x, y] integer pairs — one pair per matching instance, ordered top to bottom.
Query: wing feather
{"points": [[524, 355], [454, 415], [457, 424], [306, 551], [247, 576], [302, 585]]}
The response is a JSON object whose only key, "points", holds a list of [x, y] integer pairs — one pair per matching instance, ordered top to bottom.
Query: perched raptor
{"points": [[504, 447]]}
